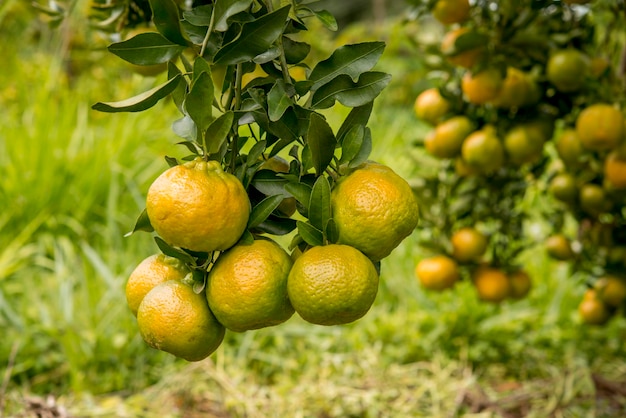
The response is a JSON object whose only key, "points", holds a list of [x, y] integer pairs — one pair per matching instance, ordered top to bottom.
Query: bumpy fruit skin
{"points": [[567, 69], [600, 127], [198, 206], [374, 210], [468, 244], [152, 271], [437, 273], [491, 284], [332, 285], [247, 286], [175, 319]]}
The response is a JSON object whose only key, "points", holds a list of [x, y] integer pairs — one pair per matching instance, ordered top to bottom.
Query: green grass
{"points": [[72, 182]]}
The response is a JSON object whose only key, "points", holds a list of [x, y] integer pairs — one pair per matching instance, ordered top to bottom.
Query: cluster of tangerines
{"points": [[492, 117], [233, 280]]}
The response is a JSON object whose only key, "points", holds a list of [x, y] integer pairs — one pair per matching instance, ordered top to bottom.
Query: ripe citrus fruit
{"points": [[451, 11], [466, 59], [567, 69], [482, 87], [518, 90], [431, 106], [600, 127], [448, 137], [523, 145], [569, 148], [483, 151], [279, 165], [615, 171], [563, 187], [198, 206], [374, 209], [468, 244], [559, 247], [152, 271], [437, 273], [491, 284], [520, 284], [332, 285], [247, 286], [611, 290], [592, 310], [175, 319]]}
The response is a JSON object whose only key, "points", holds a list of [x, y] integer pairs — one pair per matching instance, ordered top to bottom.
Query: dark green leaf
{"points": [[227, 8], [199, 16], [327, 19], [167, 20], [256, 37], [146, 49], [295, 51], [267, 56], [350, 60], [200, 65], [179, 93], [350, 94], [199, 101], [278, 101], [140, 102], [358, 116], [217, 132], [321, 142], [352, 143], [256, 151], [364, 151], [171, 161], [270, 183], [301, 191], [319, 205], [262, 210], [142, 224], [276, 226], [332, 233], [310, 234], [246, 239], [174, 252], [199, 280]]}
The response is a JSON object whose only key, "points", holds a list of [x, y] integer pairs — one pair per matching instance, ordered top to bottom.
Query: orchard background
{"points": [[73, 181]]}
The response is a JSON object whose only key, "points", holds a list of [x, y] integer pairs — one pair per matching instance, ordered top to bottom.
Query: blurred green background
{"points": [[72, 182]]}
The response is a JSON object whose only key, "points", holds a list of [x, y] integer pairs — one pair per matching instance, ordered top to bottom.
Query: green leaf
{"points": [[227, 8], [200, 15], [327, 19], [167, 20], [255, 38], [468, 41], [146, 49], [295, 51], [350, 60], [200, 66], [179, 93], [350, 94], [142, 101], [199, 101], [278, 101], [358, 116], [217, 132], [321, 142], [352, 143], [256, 151], [364, 151], [270, 183], [301, 191], [319, 205], [263, 210], [142, 224], [276, 226], [332, 233], [310, 234], [246, 239], [174, 252], [199, 280]]}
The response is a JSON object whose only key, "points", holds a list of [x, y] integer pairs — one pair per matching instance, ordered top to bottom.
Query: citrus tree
{"points": [[507, 77], [262, 161]]}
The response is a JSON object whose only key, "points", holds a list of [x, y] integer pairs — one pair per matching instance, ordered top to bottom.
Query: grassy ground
{"points": [[71, 184]]}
